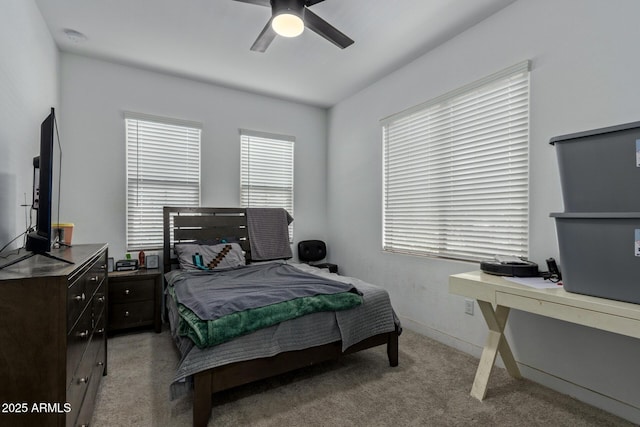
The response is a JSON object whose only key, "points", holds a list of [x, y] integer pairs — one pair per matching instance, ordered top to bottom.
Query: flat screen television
{"points": [[39, 241]]}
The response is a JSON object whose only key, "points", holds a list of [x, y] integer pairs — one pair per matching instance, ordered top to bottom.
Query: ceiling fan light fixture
{"points": [[289, 19], [287, 24]]}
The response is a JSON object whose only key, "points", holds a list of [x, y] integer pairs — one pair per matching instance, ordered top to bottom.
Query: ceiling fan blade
{"points": [[258, 2], [312, 2], [326, 30], [264, 39]]}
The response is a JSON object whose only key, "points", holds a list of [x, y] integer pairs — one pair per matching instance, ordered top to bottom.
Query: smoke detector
{"points": [[74, 36]]}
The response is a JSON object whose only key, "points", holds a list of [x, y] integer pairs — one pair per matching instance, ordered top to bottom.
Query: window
{"points": [[163, 169], [266, 171], [455, 172]]}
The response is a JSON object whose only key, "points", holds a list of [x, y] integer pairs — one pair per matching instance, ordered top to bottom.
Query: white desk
{"points": [[489, 291]]}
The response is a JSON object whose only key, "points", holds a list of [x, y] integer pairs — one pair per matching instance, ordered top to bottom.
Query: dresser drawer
{"points": [[96, 275], [83, 287], [130, 291], [77, 300], [98, 306], [89, 328], [100, 330], [77, 341], [87, 375], [78, 387], [85, 412]]}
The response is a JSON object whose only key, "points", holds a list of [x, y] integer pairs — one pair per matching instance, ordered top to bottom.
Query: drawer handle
{"points": [[95, 279], [127, 291], [80, 298], [100, 298], [126, 314], [99, 331], [83, 334], [101, 363], [83, 380]]}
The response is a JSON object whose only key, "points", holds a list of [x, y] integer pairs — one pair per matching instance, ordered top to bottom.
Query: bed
{"points": [[271, 350]]}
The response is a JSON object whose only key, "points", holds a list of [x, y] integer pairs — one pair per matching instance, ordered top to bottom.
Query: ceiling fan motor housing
{"points": [[295, 7]]}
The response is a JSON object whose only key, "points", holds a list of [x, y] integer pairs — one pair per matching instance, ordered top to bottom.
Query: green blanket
{"points": [[214, 332]]}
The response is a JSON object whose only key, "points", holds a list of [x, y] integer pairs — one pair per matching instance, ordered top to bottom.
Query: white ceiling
{"points": [[209, 40]]}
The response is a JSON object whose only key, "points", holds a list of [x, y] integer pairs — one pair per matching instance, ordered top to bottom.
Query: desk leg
{"points": [[496, 342]]}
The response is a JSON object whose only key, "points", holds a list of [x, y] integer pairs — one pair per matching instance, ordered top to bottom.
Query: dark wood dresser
{"points": [[135, 299], [53, 346]]}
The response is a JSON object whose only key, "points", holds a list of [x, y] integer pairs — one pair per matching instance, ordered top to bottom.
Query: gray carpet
{"points": [[429, 388]]}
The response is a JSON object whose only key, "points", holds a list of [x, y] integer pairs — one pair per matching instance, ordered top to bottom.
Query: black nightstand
{"points": [[135, 299]]}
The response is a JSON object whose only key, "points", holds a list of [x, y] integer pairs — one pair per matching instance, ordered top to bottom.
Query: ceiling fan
{"points": [[289, 18]]}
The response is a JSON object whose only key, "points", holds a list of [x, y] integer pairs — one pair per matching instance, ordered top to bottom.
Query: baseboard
{"points": [[444, 338], [591, 397]]}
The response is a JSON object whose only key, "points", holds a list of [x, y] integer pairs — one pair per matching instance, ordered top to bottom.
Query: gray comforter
{"points": [[215, 294]]}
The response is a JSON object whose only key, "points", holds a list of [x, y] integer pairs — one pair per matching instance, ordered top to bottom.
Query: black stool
{"points": [[311, 251]]}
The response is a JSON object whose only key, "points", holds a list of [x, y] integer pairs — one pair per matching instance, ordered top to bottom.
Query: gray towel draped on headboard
{"points": [[268, 230]]}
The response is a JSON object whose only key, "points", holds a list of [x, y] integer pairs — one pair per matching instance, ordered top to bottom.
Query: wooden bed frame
{"points": [[189, 224]]}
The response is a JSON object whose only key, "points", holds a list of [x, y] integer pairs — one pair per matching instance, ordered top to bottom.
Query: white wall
{"points": [[29, 69], [584, 76], [95, 94]]}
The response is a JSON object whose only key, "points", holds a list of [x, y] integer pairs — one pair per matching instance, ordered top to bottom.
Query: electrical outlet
{"points": [[468, 306]]}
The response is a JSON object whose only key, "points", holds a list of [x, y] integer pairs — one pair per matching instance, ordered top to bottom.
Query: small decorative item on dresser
{"points": [[141, 259], [152, 261]]}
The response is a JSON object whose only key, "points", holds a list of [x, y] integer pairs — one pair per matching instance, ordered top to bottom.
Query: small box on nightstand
{"points": [[152, 262]]}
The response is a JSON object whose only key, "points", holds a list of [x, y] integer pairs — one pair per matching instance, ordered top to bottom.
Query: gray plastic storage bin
{"points": [[600, 169], [600, 254]]}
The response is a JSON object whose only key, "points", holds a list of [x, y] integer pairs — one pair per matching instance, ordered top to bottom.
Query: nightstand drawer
{"points": [[130, 291], [128, 315]]}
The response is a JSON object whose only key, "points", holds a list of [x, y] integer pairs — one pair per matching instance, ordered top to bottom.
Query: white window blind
{"points": [[163, 169], [266, 171], [456, 172]]}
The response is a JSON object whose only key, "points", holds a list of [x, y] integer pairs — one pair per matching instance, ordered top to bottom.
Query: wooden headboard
{"points": [[188, 224]]}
